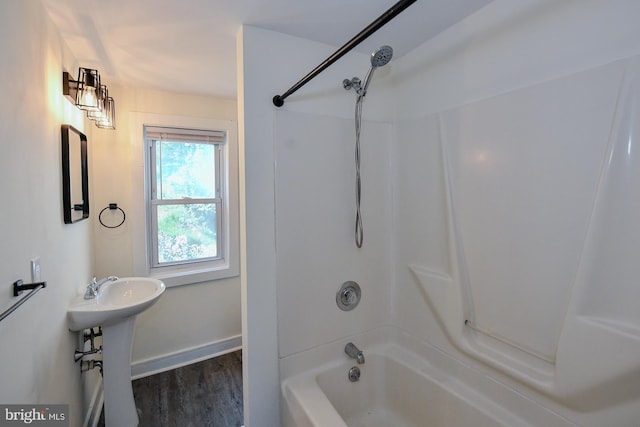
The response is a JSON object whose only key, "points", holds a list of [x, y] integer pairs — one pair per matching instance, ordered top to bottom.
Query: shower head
{"points": [[381, 56]]}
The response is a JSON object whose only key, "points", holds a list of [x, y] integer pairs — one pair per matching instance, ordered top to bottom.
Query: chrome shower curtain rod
{"points": [[278, 100]]}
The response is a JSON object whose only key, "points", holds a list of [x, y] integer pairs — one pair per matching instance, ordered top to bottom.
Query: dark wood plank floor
{"points": [[204, 394]]}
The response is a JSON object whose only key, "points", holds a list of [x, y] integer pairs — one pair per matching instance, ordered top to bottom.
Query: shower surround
{"points": [[500, 200], [527, 262]]}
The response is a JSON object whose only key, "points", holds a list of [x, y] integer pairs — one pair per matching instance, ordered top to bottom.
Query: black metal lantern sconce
{"points": [[87, 93]]}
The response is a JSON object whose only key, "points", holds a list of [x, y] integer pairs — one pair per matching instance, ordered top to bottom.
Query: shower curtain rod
{"points": [[278, 100]]}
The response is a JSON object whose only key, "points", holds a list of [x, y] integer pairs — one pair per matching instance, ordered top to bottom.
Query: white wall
{"points": [[509, 45], [287, 151], [315, 221], [186, 318], [36, 354]]}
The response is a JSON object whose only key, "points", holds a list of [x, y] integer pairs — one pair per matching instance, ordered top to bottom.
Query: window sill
{"points": [[180, 276]]}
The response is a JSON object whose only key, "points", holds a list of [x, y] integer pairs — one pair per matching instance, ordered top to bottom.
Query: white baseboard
{"points": [[147, 367]]}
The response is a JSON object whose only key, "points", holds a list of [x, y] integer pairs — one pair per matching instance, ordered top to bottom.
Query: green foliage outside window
{"points": [[185, 172]]}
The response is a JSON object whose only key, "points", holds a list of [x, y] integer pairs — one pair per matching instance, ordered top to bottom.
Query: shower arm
{"points": [[278, 100]]}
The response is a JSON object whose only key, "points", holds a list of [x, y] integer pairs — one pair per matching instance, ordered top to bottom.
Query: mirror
{"points": [[75, 175]]}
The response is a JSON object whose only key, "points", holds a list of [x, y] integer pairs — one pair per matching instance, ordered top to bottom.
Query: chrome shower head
{"points": [[381, 56]]}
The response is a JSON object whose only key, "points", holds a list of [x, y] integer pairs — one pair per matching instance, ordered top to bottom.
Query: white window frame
{"points": [[216, 138], [229, 234]]}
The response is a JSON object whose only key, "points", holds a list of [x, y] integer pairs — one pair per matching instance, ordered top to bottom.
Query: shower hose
{"points": [[359, 232]]}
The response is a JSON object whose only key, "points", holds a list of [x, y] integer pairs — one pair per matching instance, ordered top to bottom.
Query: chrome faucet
{"points": [[94, 287], [354, 352]]}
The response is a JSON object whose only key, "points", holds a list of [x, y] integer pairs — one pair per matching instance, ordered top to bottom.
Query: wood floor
{"points": [[205, 394]]}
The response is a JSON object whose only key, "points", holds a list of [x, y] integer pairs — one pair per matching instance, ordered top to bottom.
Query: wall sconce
{"points": [[87, 93], [98, 113], [105, 115], [108, 120]]}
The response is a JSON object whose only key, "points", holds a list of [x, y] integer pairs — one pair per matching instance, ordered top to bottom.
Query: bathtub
{"points": [[402, 384]]}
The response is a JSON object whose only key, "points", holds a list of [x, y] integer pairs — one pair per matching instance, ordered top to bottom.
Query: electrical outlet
{"points": [[35, 270]]}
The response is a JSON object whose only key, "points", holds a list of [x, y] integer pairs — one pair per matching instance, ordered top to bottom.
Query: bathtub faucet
{"points": [[354, 352]]}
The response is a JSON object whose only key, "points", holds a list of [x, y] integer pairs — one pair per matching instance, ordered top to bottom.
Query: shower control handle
{"points": [[348, 296]]}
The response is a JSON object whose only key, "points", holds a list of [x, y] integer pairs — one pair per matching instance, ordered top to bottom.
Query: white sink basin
{"points": [[116, 300], [115, 309]]}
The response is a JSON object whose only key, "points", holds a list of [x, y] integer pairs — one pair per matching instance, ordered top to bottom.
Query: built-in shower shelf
{"points": [[444, 294], [511, 343], [559, 376]]}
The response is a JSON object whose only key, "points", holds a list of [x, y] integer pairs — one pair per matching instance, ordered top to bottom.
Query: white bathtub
{"points": [[398, 387]]}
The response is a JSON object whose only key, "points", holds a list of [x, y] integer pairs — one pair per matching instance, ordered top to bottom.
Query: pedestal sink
{"points": [[115, 309]]}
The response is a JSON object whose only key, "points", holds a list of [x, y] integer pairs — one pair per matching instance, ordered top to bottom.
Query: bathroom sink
{"points": [[116, 300], [114, 307]]}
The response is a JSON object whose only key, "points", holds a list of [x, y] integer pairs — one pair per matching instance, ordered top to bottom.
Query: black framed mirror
{"points": [[75, 175]]}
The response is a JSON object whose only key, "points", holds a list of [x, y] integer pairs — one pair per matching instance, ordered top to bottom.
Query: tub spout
{"points": [[354, 352]]}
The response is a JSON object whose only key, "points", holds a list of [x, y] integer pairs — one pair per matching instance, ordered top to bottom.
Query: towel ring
{"points": [[112, 207]]}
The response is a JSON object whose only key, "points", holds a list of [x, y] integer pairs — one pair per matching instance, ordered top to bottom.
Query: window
{"points": [[186, 201], [190, 201]]}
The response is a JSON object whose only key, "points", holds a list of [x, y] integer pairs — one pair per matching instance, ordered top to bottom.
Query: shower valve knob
{"points": [[348, 296]]}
